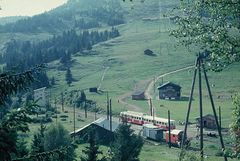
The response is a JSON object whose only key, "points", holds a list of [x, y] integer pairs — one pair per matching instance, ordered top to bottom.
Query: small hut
{"points": [[149, 52], [169, 90], [138, 95], [208, 121]]}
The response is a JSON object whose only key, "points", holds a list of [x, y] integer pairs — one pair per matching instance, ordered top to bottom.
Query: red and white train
{"points": [[141, 118]]}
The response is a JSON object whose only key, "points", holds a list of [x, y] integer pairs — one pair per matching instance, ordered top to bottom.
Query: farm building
{"points": [[149, 52], [93, 89], [169, 90], [40, 95], [138, 95], [208, 121], [102, 127], [153, 132]]}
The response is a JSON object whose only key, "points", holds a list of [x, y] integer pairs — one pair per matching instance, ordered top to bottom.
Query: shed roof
{"points": [[169, 84], [138, 92], [208, 116], [101, 122]]}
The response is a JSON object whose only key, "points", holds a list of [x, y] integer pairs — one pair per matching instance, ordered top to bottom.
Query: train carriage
{"points": [[141, 118]]}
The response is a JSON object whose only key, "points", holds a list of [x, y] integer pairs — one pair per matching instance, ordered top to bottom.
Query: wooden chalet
{"points": [[169, 90], [138, 95], [208, 122]]}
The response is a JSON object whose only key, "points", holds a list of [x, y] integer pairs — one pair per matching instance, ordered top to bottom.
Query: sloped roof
{"points": [[169, 84], [138, 92], [208, 116], [101, 122], [104, 123]]}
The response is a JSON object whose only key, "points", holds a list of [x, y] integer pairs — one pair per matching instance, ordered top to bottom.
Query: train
{"points": [[142, 118], [154, 128]]}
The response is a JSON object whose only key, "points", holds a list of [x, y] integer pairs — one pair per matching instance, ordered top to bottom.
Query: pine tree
{"points": [[68, 77], [17, 120], [235, 126], [38, 140], [127, 145], [91, 151]]}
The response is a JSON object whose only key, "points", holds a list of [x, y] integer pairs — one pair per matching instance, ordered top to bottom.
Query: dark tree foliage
{"points": [[93, 13], [212, 26], [22, 55], [68, 77], [13, 83], [16, 121], [56, 137], [38, 140], [127, 145], [22, 149], [92, 151]]}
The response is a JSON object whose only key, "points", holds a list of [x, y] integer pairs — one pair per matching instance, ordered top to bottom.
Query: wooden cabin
{"points": [[169, 90], [138, 95], [208, 122]]}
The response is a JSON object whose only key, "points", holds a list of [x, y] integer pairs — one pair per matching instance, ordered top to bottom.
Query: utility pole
{"points": [[199, 67], [62, 101], [150, 104], [107, 106], [85, 108], [110, 111], [220, 117], [74, 123], [169, 130]]}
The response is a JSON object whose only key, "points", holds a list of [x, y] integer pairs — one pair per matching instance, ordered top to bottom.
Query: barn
{"points": [[169, 90], [138, 95], [208, 121], [103, 133]]}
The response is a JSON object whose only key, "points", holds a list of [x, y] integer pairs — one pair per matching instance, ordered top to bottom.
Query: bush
{"points": [[63, 116], [42, 119], [63, 119]]}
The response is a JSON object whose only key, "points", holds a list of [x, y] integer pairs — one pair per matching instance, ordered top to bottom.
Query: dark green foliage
{"points": [[92, 12], [211, 26], [22, 55], [68, 77], [13, 83], [16, 121], [235, 126], [56, 137], [38, 140], [127, 145], [22, 149], [92, 151]]}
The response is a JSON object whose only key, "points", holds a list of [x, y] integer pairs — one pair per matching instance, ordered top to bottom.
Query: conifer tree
{"points": [[68, 76], [127, 145], [92, 151]]}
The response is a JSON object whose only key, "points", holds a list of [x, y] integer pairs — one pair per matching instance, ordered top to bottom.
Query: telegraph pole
{"points": [[62, 101], [169, 130]]}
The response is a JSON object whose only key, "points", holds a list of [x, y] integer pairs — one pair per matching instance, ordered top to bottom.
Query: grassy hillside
{"points": [[119, 66]]}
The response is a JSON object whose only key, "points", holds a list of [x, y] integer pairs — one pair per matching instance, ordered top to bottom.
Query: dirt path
{"points": [[103, 75], [122, 99]]}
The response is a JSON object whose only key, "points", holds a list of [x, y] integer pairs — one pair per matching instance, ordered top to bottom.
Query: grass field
{"points": [[130, 69]]}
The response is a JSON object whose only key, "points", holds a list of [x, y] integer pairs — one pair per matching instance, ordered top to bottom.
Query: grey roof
{"points": [[167, 84], [138, 92], [208, 116], [102, 122]]}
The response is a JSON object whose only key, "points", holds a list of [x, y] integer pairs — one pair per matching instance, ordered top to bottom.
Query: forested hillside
{"points": [[74, 14]]}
